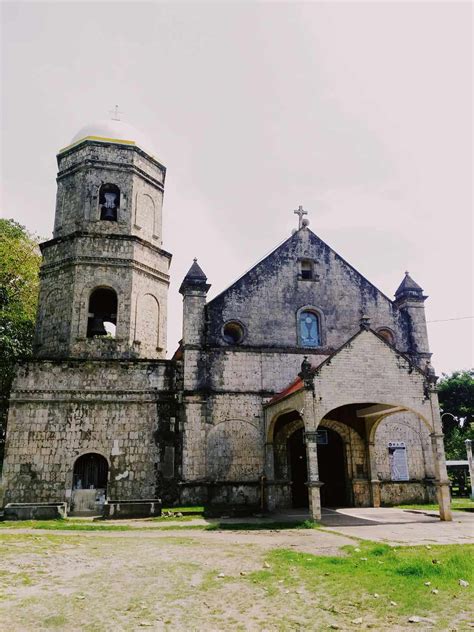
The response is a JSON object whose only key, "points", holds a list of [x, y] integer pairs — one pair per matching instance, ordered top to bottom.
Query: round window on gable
{"points": [[233, 332], [387, 335]]}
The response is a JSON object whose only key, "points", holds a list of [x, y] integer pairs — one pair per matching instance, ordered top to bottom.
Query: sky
{"points": [[359, 111]]}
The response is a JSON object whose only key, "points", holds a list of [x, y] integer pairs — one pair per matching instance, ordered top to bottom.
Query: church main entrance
{"points": [[291, 463], [298, 469], [332, 469]]}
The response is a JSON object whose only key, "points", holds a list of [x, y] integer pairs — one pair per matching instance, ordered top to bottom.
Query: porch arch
{"points": [[405, 409], [277, 414]]}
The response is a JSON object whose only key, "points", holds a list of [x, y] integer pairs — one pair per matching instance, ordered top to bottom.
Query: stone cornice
{"points": [[100, 143], [111, 166], [109, 237], [110, 261], [323, 351], [99, 361], [207, 392], [84, 396]]}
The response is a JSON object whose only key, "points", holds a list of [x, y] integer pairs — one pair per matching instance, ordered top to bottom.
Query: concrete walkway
{"points": [[400, 526]]}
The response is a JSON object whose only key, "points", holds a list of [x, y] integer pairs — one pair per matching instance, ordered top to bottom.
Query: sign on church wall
{"points": [[322, 437], [397, 456]]}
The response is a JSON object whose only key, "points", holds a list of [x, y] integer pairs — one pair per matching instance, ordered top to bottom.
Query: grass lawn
{"points": [[457, 504], [191, 510], [73, 524], [382, 582]]}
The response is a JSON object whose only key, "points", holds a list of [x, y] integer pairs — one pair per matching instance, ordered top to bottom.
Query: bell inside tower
{"points": [[109, 202], [102, 313]]}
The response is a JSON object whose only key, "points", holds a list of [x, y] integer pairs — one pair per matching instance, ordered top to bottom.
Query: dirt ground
{"points": [[168, 580], [131, 581]]}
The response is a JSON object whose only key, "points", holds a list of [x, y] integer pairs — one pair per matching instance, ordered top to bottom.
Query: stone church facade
{"points": [[299, 385]]}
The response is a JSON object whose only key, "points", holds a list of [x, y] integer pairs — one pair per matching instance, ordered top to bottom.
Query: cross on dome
{"points": [[115, 113], [300, 212]]}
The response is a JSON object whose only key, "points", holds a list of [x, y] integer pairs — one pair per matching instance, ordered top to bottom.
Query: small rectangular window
{"points": [[306, 269]]}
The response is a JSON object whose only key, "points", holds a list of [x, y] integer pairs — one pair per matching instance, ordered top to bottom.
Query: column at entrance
{"points": [[269, 461], [373, 478], [314, 484]]}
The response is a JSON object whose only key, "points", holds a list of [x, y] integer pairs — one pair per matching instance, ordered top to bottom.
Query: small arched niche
{"points": [[109, 202], [102, 319]]}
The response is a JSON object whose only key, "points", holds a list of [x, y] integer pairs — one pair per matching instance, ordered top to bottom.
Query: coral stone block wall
{"points": [[61, 410]]}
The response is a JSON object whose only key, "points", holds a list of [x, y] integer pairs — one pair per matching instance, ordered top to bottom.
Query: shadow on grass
{"points": [[67, 525], [261, 526]]}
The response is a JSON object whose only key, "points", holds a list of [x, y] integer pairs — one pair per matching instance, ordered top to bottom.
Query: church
{"points": [[299, 386]]}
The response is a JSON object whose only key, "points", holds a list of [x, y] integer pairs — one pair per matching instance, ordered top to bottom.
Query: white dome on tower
{"points": [[113, 130]]}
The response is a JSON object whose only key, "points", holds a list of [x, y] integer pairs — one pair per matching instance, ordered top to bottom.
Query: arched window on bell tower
{"points": [[109, 202], [102, 319]]}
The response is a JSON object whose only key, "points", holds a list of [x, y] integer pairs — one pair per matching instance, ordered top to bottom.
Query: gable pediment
{"points": [[368, 370]]}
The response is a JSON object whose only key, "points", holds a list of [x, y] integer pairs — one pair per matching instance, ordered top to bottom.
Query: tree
{"points": [[19, 281], [456, 399]]}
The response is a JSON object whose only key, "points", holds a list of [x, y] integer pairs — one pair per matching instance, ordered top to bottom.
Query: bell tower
{"points": [[104, 277]]}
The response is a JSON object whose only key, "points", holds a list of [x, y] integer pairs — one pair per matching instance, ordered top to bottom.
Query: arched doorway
{"points": [[102, 319], [332, 468], [290, 469], [298, 469], [90, 472], [89, 486]]}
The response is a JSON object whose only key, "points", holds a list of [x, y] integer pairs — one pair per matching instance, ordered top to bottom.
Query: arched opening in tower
{"points": [[109, 202], [102, 313]]}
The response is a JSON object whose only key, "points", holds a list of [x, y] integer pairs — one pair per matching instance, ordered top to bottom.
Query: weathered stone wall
{"points": [[267, 299], [261, 371], [61, 410], [416, 436], [234, 451], [406, 493]]}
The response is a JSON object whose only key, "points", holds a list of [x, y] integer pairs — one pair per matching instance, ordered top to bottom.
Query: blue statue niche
{"points": [[309, 329]]}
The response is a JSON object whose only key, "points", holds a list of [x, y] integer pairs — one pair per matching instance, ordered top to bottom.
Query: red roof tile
{"points": [[294, 387]]}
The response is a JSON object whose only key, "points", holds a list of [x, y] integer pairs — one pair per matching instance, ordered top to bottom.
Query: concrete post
{"points": [[468, 443], [441, 473], [442, 481], [314, 484]]}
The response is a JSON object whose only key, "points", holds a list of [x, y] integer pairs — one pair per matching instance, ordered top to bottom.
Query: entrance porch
{"points": [[337, 440]]}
